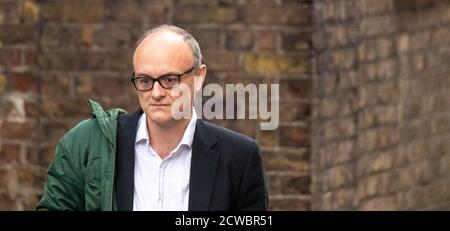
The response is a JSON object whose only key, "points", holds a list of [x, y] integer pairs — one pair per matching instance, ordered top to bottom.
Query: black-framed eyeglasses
{"points": [[168, 81]]}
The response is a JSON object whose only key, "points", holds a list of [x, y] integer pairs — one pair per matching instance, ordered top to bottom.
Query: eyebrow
{"points": [[149, 76]]}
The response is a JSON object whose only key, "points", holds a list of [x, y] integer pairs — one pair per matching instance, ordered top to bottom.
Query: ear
{"points": [[200, 78]]}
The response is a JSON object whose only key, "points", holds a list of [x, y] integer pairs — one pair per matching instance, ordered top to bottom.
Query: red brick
{"points": [[79, 11], [125, 11], [10, 12], [158, 13], [192, 13], [223, 14], [295, 14], [372, 26], [18, 34], [87, 35], [112, 35], [55, 36], [208, 38], [239, 40], [266, 40], [296, 41], [10, 57], [30, 58], [343, 59], [76, 60], [116, 60], [221, 61], [273, 64], [24, 82], [3, 83], [54, 84], [115, 85], [295, 88], [65, 108], [295, 111], [17, 130], [52, 131], [293, 136], [268, 138], [9, 154], [31, 154], [330, 154], [45, 155], [287, 160], [28, 175], [337, 176], [4, 178], [273, 184], [295, 184], [29, 199], [339, 199], [7, 203], [386, 203], [289, 204]]}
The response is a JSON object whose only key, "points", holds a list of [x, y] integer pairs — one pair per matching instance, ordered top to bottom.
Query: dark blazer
{"points": [[226, 168]]}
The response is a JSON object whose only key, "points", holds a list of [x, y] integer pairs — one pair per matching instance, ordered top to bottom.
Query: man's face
{"points": [[160, 54]]}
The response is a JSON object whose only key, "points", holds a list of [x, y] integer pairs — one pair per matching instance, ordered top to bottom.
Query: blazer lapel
{"points": [[126, 135], [203, 168]]}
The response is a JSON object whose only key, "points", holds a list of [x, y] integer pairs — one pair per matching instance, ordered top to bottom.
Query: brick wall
{"points": [[55, 54], [364, 88], [381, 127], [19, 174]]}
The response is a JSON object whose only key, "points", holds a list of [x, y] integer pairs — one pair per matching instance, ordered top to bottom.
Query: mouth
{"points": [[159, 105]]}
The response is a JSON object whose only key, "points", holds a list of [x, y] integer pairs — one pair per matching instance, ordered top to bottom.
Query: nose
{"points": [[157, 92]]}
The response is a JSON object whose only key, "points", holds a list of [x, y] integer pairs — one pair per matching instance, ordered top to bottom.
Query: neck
{"points": [[165, 138]]}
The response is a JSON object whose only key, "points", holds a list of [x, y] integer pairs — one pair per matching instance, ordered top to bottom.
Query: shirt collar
{"points": [[188, 136]]}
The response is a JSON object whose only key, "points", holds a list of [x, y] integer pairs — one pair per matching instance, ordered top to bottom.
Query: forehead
{"points": [[162, 52]]}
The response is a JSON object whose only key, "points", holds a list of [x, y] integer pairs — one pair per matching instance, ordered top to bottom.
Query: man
{"points": [[148, 160]]}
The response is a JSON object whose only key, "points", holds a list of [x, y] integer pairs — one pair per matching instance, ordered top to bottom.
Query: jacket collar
{"points": [[106, 120], [203, 168], [124, 174]]}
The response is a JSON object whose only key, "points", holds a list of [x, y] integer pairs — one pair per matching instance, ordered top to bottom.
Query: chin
{"points": [[160, 117]]}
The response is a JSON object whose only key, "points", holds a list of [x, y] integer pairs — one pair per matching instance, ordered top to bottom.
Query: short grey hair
{"points": [[190, 40]]}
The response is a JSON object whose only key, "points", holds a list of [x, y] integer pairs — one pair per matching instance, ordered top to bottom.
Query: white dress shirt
{"points": [[162, 184]]}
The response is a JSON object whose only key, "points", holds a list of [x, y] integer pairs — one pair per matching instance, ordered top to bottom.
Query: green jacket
{"points": [[85, 174]]}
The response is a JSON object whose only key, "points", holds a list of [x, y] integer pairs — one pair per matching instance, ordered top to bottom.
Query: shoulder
{"points": [[101, 126], [82, 132], [230, 137], [90, 138], [84, 142], [234, 148], [240, 158]]}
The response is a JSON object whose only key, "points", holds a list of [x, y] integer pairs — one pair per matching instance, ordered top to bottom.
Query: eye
{"points": [[170, 79], [145, 81]]}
